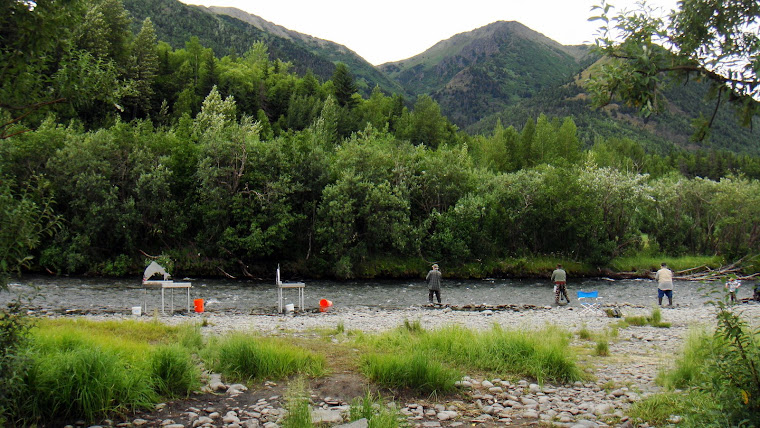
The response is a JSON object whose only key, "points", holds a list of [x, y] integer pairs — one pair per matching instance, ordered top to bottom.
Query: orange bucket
{"points": [[324, 304], [198, 305]]}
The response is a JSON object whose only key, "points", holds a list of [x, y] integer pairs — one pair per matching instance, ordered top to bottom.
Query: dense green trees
{"points": [[233, 164]]}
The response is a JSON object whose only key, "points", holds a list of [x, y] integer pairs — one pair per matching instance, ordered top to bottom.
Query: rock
{"points": [[486, 384], [237, 388], [534, 388], [603, 409], [530, 414], [447, 415], [322, 416], [231, 418], [202, 421], [139, 422], [167, 422], [251, 423], [359, 423], [431, 424]]}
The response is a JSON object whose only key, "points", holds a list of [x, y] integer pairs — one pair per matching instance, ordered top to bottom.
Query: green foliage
{"points": [[710, 40], [232, 162], [14, 327], [602, 348], [496, 351], [245, 358], [414, 370], [173, 371], [718, 374], [83, 381], [297, 405], [378, 415]]}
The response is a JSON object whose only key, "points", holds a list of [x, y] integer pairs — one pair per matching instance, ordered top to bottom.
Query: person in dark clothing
{"points": [[434, 284]]}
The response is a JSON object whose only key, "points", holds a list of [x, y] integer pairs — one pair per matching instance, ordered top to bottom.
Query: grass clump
{"points": [[654, 319], [584, 333], [602, 348], [543, 355], [245, 357], [173, 371], [417, 371], [718, 376], [88, 381], [297, 405], [371, 408]]}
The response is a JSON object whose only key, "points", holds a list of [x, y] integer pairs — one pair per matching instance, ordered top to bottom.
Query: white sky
{"points": [[393, 30]]}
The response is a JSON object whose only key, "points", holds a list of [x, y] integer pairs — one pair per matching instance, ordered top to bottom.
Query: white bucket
{"points": [[290, 307], [137, 310]]}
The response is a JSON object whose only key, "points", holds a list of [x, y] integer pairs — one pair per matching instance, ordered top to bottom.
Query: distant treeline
{"points": [[235, 164]]}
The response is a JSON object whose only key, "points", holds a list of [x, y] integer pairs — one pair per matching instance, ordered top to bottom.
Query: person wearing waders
{"points": [[559, 278], [434, 284]]}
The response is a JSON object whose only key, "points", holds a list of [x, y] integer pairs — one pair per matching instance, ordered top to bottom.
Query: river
{"points": [[108, 295]]}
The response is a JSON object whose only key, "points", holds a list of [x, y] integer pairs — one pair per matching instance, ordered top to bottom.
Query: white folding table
{"points": [[171, 285], [296, 285]]}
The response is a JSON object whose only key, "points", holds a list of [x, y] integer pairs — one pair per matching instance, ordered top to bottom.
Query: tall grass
{"points": [[643, 262], [543, 355], [247, 357], [690, 365], [83, 369], [416, 371], [173, 372], [88, 381], [297, 405], [372, 408]]}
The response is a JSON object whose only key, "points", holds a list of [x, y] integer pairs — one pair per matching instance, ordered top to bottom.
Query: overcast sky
{"points": [[392, 30]]}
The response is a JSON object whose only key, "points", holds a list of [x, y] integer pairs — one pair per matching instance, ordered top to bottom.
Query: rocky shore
{"points": [[620, 379]]}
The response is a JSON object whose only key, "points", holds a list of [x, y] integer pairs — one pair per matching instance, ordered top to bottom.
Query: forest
{"points": [[115, 147]]}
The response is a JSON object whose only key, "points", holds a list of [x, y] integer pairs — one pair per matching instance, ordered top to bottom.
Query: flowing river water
{"points": [[108, 295]]}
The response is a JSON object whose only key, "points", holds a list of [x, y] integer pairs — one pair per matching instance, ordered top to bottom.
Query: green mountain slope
{"points": [[227, 30], [474, 74], [366, 75], [659, 133]]}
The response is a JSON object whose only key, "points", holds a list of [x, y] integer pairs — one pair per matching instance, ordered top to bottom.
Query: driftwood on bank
{"points": [[705, 273]]}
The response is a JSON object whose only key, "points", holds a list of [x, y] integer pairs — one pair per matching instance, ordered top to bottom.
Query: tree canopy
{"points": [[709, 40]]}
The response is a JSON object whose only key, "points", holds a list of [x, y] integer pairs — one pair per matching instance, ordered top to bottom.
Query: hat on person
{"points": [[435, 266]]}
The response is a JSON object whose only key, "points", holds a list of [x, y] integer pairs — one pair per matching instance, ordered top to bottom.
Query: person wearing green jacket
{"points": [[559, 278]]}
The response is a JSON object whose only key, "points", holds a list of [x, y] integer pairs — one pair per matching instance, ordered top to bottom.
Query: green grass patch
{"points": [[647, 262], [654, 319], [585, 334], [602, 348], [544, 355], [246, 357], [173, 371], [417, 371], [81, 379], [297, 405], [658, 409], [375, 411]]}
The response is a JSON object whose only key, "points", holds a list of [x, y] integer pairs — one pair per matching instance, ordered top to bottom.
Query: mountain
{"points": [[229, 30], [477, 73], [366, 75]]}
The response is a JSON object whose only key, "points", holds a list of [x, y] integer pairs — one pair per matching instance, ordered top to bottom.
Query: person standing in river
{"points": [[559, 278], [664, 278], [434, 284]]}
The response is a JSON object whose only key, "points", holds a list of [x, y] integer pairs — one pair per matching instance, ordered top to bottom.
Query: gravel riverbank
{"points": [[620, 379]]}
